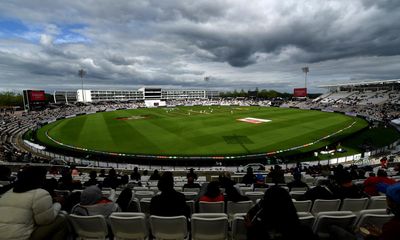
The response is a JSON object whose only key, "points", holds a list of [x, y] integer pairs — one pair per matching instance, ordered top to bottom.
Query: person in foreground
{"points": [[170, 202], [27, 211], [275, 217]]}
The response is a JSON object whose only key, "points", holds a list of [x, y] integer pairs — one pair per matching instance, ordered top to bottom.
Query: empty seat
{"points": [[140, 189], [296, 189], [197, 190], [144, 194], [296, 194], [190, 195], [254, 196], [377, 202], [354, 204], [145, 205], [322, 205], [191, 206], [303, 206], [211, 207], [238, 207], [376, 217], [306, 218], [324, 220], [129, 225], [89, 226], [209, 226], [168, 227], [239, 230]]}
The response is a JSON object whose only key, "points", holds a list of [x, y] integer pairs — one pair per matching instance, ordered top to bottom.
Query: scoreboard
{"points": [[300, 92], [34, 99]]}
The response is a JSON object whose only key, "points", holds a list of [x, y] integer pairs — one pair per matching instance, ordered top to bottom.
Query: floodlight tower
{"points": [[305, 71], [81, 74]]}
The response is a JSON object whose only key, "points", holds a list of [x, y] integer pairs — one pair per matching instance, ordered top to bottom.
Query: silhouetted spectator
{"points": [[191, 174], [135, 175], [155, 175], [277, 175], [249, 178], [92, 179], [111, 180], [297, 183], [191, 184], [213, 193], [125, 202], [169, 202], [275, 217]]}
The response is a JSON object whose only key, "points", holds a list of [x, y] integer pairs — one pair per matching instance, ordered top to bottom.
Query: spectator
{"points": [[191, 174], [135, 175], [155, 175], [277, 175], [145, 176], [249, 178], [92, 179], [111, 180], [225, 180], [67, 183], [297, 183], [371, 183], [191, 184], [346, 188], [325, 190], [212, 194], [232, 194], [125, 202], [169, 202], [93, 203], [27, 211], [275, 217]]}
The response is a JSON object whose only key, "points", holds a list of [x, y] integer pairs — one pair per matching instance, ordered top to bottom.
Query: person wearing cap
{"points": [[93, 203]]}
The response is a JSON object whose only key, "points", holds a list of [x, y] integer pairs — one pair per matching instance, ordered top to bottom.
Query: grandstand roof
{"points": [[361, 83]]}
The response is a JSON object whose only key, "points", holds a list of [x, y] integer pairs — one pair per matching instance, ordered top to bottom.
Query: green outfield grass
{"points": [[199, 131]]}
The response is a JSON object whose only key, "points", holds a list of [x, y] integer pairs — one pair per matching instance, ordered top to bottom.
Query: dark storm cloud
{"points": [[177, 43]]}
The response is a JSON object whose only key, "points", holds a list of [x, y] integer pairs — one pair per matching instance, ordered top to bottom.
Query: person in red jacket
{"points": [[371, 183], [212, 194]]}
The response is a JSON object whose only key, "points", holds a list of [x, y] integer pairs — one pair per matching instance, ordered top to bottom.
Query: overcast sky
{"points": [[238, 44]]}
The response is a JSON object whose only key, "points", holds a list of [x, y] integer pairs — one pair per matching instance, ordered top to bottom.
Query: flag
{"points": [[305, 69]]}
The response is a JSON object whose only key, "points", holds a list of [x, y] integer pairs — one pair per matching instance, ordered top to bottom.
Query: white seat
{"points": [[140, 189], [197, 190], [245, 190], [144, 194], [296, 194], [190, 195], [254, 196], [377, 202], [354, 204], [145, 205], [191, 205], [322, 205], [303, 206], [211, 207], [238, 207], [376, 217], [306, 218], [324, 220], [129, 225], [209, 226], [94, 227], [168, 227], [239, 230]]}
